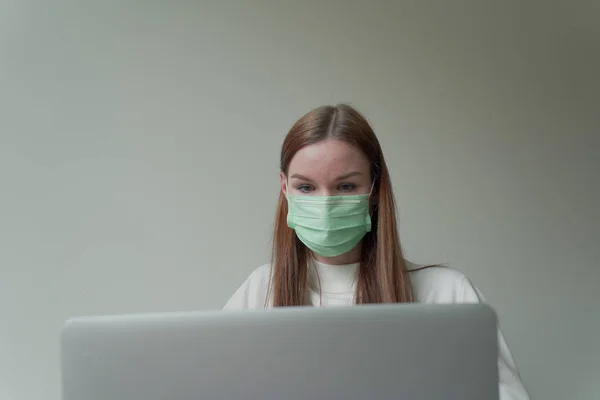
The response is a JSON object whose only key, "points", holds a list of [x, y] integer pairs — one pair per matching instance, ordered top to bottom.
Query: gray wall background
{"points": [[139, 158]]}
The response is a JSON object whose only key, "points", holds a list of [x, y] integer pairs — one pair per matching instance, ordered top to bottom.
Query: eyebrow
{"points": [[339, 178]]}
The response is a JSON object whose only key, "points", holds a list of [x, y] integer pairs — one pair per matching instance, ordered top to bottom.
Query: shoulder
{"points": [[260, 274], [439, 284], [252, 293]]}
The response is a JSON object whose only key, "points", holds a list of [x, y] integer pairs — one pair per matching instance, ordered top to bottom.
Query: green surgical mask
{"points": [[329, 225]]}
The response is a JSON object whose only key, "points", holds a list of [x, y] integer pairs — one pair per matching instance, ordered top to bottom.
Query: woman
{"points": [[336, 240]]}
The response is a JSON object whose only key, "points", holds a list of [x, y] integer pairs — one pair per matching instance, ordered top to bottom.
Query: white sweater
{"points": [[430, 285]]}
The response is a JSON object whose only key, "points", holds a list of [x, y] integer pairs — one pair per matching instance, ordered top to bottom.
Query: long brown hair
{"points": [[383, 275]]}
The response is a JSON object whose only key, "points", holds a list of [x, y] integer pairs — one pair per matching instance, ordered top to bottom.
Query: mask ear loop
{"points": [[372, 211]]}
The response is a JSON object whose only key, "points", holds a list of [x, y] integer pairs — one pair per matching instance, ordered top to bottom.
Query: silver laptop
{"points": [[384, 352]]}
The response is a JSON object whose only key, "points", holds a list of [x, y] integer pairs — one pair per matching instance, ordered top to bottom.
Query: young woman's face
{"points": [[328, 168]]}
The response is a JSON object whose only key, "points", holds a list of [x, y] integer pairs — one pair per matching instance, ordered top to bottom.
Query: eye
{"points": [[346, 187], [304, 188]]}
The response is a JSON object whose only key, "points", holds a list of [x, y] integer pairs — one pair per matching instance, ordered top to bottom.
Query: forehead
{"points": [[327, 159]]}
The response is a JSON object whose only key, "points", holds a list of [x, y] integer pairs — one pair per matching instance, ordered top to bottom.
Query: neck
{"points": [[351, 257]]}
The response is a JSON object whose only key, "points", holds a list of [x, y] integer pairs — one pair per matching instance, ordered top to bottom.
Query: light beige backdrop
{"points": [[139, 158]]}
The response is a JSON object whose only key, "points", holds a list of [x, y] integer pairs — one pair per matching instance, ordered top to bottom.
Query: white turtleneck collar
{"points": [[332, 279]]}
